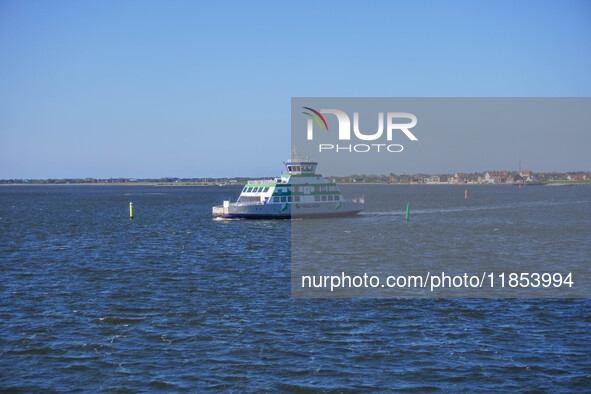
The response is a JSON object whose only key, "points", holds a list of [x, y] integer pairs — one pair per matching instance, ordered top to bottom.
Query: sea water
{"points": [[177, 300]]}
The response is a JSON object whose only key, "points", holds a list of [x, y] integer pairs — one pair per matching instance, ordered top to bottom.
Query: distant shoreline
{"points": [[120, 184], [193, 184]]}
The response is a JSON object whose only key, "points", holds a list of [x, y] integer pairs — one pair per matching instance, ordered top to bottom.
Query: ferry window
{"points": [[288, 168], [297, 168], [249, 189], [312, 189], [244, 190], [265, 190], [279, 190], [296, 198], [316, 198], [323, 198], [329, 198], [336, 198], [276, 199], [283, 199], [289, 199]]}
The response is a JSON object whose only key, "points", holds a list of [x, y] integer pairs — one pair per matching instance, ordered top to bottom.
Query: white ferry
{"points": [[299, 192]]}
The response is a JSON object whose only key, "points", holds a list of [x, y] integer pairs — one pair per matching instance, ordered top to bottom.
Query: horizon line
{"points": [[258, 176]]}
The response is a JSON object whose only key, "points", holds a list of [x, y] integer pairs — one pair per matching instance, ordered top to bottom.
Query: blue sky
{"points": [[191, 89]]}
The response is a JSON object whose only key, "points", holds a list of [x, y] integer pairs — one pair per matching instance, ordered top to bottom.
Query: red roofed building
{"points": [[496, 176], [460, 177]]}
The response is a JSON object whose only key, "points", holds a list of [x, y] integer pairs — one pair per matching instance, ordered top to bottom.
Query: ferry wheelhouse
{"points": [[299, 192]]}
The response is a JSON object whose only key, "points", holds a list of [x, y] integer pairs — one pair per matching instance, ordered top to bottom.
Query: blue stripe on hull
{"points": [[289, 216]]}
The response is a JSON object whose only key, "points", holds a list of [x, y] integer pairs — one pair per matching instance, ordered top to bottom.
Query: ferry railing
{"points": [[258, 181], [360, 200], [243, 204]]}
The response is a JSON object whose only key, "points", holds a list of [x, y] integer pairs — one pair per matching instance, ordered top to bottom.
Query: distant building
{"points": [[525, 173], [495, 176], [460, 177], [525, 177], [528, 177], [433, 179]]}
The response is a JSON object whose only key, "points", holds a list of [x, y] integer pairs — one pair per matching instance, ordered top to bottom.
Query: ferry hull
{"points": [[274, 211], [294, 216]]}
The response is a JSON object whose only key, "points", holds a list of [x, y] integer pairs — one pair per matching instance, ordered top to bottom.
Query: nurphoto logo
{"points": [[344, 130]]}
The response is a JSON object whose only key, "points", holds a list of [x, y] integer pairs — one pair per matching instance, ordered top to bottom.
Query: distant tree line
{"points": [[354, 178]]}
